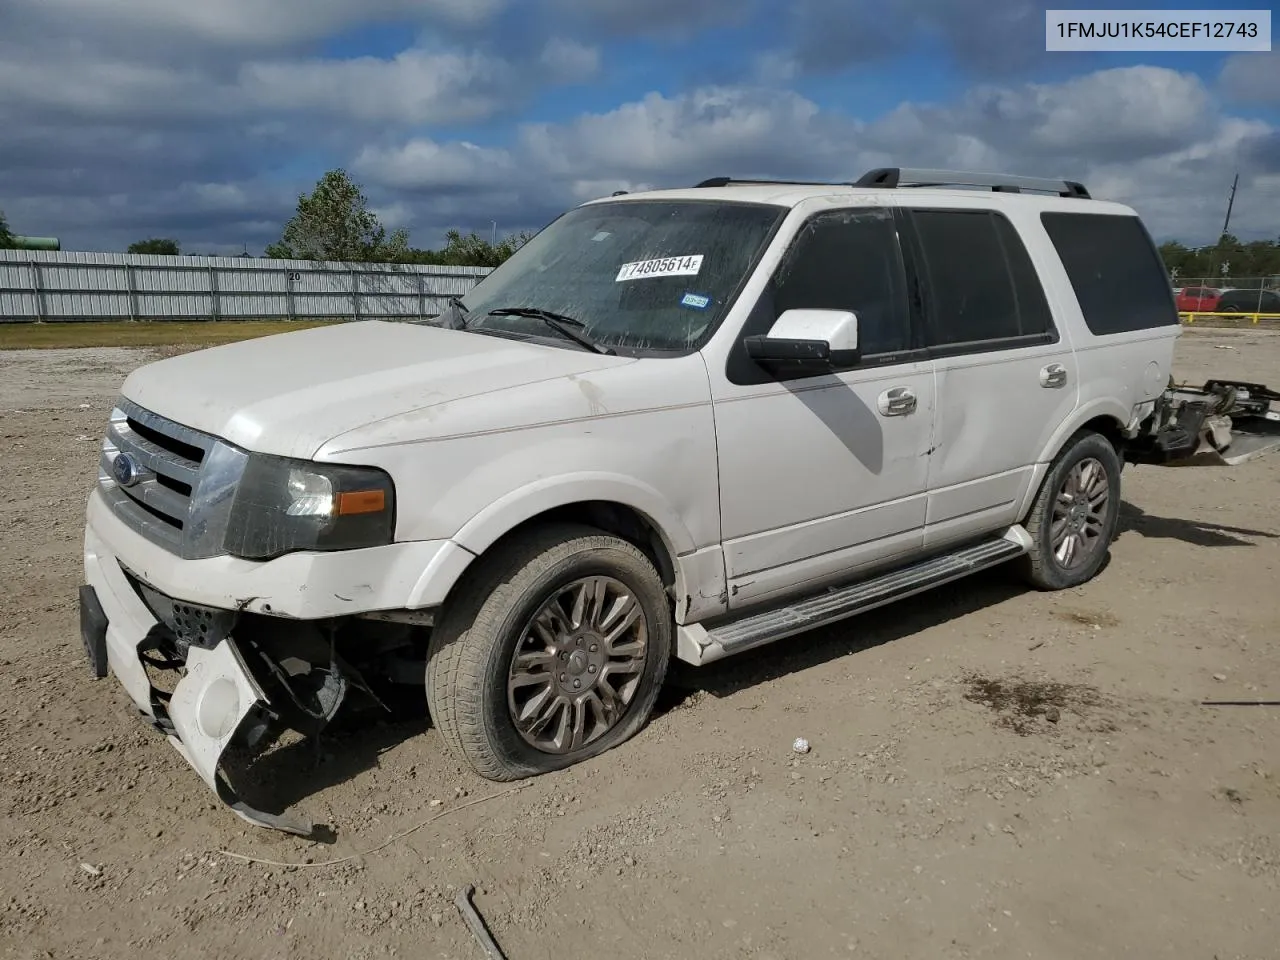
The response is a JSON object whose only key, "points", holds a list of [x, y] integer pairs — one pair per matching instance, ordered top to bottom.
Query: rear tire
{"points": [[1075, 514], [587, 616]]}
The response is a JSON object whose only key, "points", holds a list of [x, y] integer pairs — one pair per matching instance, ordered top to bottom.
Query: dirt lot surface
{"points": [[994, 773]]}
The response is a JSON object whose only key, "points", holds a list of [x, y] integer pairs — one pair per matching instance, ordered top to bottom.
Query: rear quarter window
{"points": [[1115, 270]]}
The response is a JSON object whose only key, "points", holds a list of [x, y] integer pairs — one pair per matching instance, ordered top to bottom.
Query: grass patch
{"points": [[142, 333]]}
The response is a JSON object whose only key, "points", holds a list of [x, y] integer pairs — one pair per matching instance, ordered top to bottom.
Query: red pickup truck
{"points": [[1197, 299]]}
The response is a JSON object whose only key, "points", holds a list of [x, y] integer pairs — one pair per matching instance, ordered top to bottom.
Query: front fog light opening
{"points": [[218, 709]]}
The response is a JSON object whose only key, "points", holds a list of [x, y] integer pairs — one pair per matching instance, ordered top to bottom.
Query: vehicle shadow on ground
{"points": [[1195, 532], [854, 635], [295, 770]]}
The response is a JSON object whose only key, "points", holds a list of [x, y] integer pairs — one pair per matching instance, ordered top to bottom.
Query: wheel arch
{"points": [[1108, 418], [622, 507]]}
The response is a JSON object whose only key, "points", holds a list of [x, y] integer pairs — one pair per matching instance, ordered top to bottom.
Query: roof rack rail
{"points": [[731, 182], [997, 182]]}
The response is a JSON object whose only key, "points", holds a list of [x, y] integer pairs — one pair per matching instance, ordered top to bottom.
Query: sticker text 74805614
{"points": [[661, 267]]}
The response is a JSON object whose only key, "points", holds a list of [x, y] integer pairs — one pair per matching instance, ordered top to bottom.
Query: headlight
{"points": [[283, 505]]}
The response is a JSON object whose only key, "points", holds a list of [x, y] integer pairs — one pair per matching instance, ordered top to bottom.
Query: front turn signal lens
{"points": [[361, 501]]}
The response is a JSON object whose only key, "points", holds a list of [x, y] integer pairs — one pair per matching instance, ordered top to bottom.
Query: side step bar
{"points": [[698, 645]]}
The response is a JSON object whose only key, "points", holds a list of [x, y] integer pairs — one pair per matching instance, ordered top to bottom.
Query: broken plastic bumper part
{"points": [[216, 702]]}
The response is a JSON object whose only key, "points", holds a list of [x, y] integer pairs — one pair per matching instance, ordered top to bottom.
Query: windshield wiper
{"points": [[558, 322]]}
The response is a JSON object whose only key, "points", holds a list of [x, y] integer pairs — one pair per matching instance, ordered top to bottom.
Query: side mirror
{"points": [[807, 343]]}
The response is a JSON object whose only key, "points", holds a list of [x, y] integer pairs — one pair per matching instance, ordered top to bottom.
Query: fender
{"points": [[1101, 407], [524, 503], [700, 575]]}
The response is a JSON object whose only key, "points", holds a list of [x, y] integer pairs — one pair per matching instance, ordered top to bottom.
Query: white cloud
{"points": [[654, 18], [255, 22], [992, 38], [568, 61], [1252, 77], [414, 87], [107, 89], [1120, 114], [1147, 137], [668, 138], [422, 164], [583, 190]]}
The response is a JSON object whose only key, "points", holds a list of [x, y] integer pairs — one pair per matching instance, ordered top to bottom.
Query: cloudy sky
{"points": [[204, 119]]}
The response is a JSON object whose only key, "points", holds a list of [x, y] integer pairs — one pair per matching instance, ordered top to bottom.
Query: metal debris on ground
{"points": [[1240, 703], [382, 846], [476, 923]]}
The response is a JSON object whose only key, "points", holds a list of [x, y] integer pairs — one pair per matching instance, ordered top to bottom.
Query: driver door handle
{"points": [[896, 402]]}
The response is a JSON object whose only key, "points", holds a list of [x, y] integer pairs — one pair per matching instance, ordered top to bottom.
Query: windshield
{"points": [[635, 276]]}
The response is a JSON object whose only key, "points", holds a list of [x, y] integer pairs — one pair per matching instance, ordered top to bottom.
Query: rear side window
{"points": [[1115, 270], [983, 286]]}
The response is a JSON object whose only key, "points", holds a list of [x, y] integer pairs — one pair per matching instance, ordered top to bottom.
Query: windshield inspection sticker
{"points": [[662, 267], [695, 300]]}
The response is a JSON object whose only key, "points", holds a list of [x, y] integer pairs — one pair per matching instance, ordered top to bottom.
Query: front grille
{"points": [[175, 484]]}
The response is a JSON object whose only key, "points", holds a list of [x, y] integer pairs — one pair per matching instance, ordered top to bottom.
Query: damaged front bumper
{"points": [[220, 699]]}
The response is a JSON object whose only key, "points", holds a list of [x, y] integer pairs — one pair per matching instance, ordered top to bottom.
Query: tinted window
{"points": [[849, 260], [1115, 270], [982, 283]]}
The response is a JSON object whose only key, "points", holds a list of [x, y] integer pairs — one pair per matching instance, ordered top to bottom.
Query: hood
{"points": [[288, 394]]}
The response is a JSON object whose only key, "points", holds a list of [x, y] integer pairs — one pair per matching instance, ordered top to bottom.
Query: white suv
{"points": [[682, 423]]}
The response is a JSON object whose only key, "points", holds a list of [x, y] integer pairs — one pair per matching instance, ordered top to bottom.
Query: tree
{"points": [[333, 222], [6, 238], [158, 245], [471, 250], [1256, 259]]}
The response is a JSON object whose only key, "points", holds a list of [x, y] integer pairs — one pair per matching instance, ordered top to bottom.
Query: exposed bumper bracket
{"points": [[93, 631], [288, 822]]}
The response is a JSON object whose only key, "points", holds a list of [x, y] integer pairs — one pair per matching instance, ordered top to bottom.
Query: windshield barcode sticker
{"points": [[662, 267]]}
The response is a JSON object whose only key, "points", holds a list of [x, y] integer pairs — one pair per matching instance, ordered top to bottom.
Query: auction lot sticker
{"points": [[662, 267]]}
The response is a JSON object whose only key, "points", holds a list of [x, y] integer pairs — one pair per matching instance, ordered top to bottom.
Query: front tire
{"points": [[1074, 517], [554, 652]]}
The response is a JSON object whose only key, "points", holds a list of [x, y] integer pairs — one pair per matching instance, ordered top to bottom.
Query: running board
{"points": [[698, 645]]}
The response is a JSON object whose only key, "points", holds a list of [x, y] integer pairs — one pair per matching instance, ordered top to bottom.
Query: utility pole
{"points": [[1231, 203], [1225, 225], [494, 242]]}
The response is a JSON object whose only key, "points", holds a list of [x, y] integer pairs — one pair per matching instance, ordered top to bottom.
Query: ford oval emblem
{"points": [[124, 470]]}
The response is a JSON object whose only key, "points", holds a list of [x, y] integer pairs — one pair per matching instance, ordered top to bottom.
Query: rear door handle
{"points": [[1054, 375], [896, 402]]}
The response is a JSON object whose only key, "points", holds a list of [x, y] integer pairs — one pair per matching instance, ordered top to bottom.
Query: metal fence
{"points": [[1223, 284], [62, 286], [1208, 299]]}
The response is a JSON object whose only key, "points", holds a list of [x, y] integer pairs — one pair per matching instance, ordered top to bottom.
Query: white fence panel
{"points": [[53, 286]]}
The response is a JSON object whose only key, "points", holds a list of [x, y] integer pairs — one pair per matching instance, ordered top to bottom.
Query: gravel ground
{"points": [[995, 773]]}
